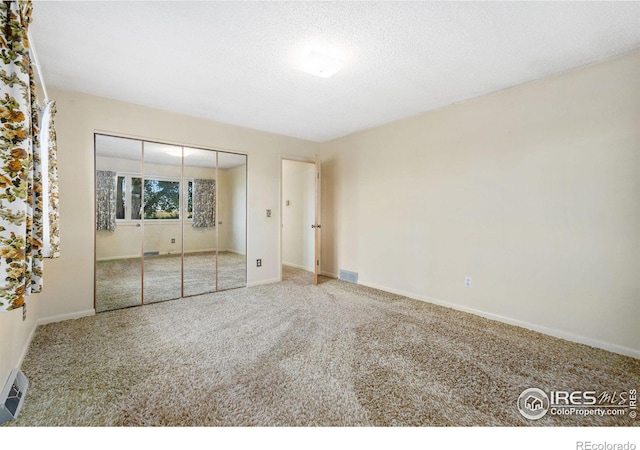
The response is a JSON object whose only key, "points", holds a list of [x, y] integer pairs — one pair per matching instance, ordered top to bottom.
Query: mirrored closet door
{"points": [[231, 220], [161, 221], [170, 222], [201, 233], [118, 239]]}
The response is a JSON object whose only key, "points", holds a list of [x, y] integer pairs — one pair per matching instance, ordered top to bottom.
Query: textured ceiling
{"points": [[236, 62]]}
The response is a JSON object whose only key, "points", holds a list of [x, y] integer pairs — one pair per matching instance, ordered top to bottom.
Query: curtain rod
{"points": [[34, 55]]}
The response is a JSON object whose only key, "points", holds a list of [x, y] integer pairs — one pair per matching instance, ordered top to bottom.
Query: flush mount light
{"points": [[320, 64]]}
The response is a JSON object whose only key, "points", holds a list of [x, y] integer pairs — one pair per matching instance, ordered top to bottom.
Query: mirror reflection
{"points": [[160, 187], [231, 221], [170, 222], [118, 230], [200, 232]]}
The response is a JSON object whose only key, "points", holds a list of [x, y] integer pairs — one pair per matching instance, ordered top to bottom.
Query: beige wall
{"points": [[298, 187], [533, 192], [68, 281], [15, 336]]}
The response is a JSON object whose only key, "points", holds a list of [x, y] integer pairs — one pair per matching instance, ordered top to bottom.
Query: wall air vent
{"points": [[351, 277], [12, 396]]}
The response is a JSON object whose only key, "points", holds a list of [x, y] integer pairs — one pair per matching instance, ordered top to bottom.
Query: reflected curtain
{"points": [[20, 175], [106, 200], [204, 203]]}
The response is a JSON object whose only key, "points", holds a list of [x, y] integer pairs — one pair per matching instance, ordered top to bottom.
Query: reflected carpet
{"points": [[118, 282]]}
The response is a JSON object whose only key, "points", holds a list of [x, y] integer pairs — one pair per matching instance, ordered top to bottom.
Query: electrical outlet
{"points": [[268, 213], [173, 240], [258, 262], [467, 282], [24, 311]]}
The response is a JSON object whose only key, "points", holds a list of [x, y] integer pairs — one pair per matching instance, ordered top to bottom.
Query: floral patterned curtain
{"points": [[49, 168], [20, 180], [106, 200], [204, 203]]}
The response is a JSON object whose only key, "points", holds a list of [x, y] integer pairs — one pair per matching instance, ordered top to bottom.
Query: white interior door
{"points": [[318, 227]]}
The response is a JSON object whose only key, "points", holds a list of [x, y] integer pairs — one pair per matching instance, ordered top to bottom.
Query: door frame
{"points": [[310, 160]]}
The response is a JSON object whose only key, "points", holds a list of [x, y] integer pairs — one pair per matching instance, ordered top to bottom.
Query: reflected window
{"points": [[121, 192], [136, 198], [161, 199], [190, 199]]}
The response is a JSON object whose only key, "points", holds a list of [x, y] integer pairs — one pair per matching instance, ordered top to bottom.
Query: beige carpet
{"points": [[119, 286], [293, 354]]}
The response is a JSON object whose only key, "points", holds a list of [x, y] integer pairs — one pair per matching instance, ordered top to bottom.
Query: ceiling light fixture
{"points": [[320, 64]]}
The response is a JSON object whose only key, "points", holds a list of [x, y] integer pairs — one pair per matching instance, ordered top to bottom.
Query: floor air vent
{"points": [[351, 277], [12, 396]]}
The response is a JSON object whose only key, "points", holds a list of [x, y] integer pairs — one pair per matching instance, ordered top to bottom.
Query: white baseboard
{"points": [[203, 250], [113, 258], [297, 266], [259, 283], [61, 317], [27, 344], [622, 350]]}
